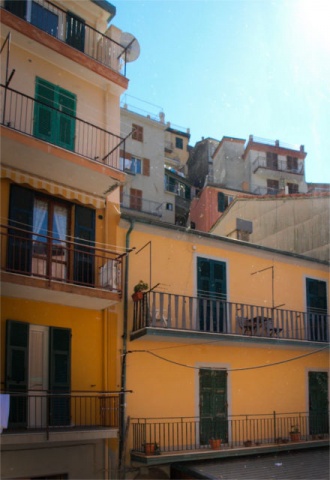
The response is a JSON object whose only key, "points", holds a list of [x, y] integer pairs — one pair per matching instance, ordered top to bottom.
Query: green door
{"points": [[54, 114], [316, 291], [212, 294], [318, 403], [213, 405]]}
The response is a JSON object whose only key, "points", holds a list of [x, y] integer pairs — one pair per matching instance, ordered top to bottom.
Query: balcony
{"points": [[66, 28], [74, 141], [261, 162], [142, 205], [45, 268], [181, 316], [40, 415], [177, 437]]}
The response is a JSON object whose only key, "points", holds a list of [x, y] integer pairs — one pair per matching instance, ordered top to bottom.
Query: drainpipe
{"points": [[122, 412]]}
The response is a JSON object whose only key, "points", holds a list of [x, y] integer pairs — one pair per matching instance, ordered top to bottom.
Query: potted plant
{"points": [[138, 290], [294, 433], [215, 443], [151, 448]]}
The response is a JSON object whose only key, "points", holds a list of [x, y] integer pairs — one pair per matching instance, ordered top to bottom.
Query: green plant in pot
{"points": [[139, 288], [294, 433]]}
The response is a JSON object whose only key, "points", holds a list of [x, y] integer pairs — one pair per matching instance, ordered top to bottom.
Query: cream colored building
{"points": [[155, 160], [292, 223]]}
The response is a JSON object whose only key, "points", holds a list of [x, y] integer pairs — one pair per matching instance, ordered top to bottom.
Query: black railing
{"points": [[66, 27], [19, 112], [279, 165], [31, 253], [204, 314], [44, 410], [175, 434]]}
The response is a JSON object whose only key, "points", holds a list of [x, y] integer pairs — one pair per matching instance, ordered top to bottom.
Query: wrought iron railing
{"points": [[73, 31], [19, 112], [279, 165], [137, 203], [34, 254], [205, 314], [44, 410], [175, 434]]}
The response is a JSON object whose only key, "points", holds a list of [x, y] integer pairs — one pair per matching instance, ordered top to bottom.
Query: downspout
{"points": [[122, 412]]}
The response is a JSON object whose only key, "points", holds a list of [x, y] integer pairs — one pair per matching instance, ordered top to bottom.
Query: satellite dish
{"points": [[131, 45]]}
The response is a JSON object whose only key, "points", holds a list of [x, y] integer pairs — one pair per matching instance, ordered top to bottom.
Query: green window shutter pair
{"points": [[54, 112], [17, 371]]}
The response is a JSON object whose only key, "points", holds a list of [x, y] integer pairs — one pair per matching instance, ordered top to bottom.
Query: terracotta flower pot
{"points": [[137, 296], [295, 437], [215, 443], [149, 448]]}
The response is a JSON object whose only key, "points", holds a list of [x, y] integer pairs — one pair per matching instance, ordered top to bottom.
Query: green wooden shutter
{"points": [[17, 7], [75, 31], [44, 111], [66, 120], [221, 202], [84, 239], [20, 242], [212, 286], [316, 292], [59, 375], [16, 380], [318, 403], [213, 405]]}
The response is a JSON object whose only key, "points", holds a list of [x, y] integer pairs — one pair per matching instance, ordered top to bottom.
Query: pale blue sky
{"points": [[234, 68]]}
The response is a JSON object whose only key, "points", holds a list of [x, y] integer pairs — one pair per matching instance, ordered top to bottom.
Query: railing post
{"points": [[275, 426]]}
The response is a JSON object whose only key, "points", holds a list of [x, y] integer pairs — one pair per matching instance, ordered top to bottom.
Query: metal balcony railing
{"points": [[66, 27], [19, 112], [279, 166], [143, 205], [73, 262], [214, 315], [44, 410], [176, 434]]}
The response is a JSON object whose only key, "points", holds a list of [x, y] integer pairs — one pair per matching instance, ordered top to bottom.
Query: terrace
{"points": [[71, 30], [36, 262], [180, 315], [41, 415], [190, 438]]}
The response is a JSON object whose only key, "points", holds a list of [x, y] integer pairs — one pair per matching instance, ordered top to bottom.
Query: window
{"points": [[35, 13], [75, 31], [54, 113], [137, 132], [179, 143], [272, 160], [292, 163], [136, 165], [175, 186], [273, 187], [293, 188], [135, 199], [223, 201], [169, 206], [38, 237], [38, 358]]}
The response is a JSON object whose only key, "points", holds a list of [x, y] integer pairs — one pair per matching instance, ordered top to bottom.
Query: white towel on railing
{"points": [[4, 410]]}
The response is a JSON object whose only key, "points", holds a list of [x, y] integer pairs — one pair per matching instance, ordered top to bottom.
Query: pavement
{"points": [[309, 464]]}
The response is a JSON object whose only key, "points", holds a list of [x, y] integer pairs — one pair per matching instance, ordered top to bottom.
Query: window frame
{"points": [[137, 133]]}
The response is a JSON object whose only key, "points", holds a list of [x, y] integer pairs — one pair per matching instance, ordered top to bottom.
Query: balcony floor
{"points": [[224, 452]]}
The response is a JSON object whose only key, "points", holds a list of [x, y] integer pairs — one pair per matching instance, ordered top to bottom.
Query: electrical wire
{"points": [[231, 369]]}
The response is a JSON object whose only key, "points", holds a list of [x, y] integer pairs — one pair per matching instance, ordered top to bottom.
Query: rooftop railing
{"points": [[72, 30], [20, 112], [74, 262], [214, 315], [40, 409], [177, 434]]}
